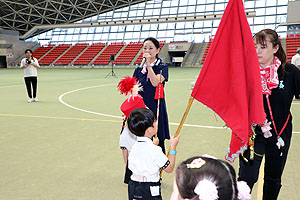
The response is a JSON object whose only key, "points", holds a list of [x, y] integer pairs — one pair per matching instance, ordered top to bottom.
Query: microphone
{"points": [[142, 63]]}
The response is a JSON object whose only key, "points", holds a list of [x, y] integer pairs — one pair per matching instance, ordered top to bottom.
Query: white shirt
{"points": [[296, 59], [30, 70], [127, 139], [145, 160]]}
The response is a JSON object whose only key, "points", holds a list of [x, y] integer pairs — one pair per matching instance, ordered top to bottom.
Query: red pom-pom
{"points": [[126, 84]]}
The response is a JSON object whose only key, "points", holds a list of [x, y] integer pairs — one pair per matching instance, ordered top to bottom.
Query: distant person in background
{"points": [[296, 58], [30, 65], [149, 75]]}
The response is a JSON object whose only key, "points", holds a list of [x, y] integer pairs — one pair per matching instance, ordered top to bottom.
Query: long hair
{"points": [[260, 38]]}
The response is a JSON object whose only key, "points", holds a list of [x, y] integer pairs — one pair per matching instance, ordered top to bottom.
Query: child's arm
{"points": [[174, 141], [125, 155]]}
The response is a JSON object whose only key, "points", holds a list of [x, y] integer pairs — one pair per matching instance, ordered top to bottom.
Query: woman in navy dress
{"points": [[149, 75]]}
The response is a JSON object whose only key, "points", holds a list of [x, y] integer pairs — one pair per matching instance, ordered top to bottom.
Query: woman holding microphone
{"points": [[150, 74]]}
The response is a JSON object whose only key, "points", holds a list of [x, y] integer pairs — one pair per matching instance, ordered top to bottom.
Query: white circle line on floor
{"points": [[83, 110], [118, 117]]}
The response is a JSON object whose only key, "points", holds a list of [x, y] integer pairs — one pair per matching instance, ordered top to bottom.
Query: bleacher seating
{"points": [[292, 43], [112, 49], [206, 50], [39, 52], [129, 52], [54, 53], [69, 56], [86, 57], [140, 58]]}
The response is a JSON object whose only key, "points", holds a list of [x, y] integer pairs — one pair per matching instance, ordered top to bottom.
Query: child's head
{"points": [[142, 122], [208, 179]]}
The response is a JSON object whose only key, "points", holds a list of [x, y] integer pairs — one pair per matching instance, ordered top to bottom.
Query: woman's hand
{"points": [[148, 58], [155, 141]]}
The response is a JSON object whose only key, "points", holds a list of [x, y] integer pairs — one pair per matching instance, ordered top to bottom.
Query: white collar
{"points": [[144, 139]]}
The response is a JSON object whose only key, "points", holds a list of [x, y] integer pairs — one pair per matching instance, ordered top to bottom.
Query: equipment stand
{"points": [[112, 73]]}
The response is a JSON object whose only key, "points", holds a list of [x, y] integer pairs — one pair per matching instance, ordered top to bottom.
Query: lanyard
{"points": [[270, 109]]}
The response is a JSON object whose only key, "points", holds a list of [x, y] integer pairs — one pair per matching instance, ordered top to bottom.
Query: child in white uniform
{"points": [[146, 159]]}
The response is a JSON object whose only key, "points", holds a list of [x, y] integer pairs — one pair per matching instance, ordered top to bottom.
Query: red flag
{"points": [[229, 82]]}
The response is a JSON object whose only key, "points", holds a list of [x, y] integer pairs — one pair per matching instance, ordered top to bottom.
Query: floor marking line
{"points": [[83, 110], [113, 116], [53, 117], [106, 120]]}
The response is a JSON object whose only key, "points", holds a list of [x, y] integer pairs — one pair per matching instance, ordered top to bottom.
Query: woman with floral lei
{"points": [[280, 83], [207, 178]]}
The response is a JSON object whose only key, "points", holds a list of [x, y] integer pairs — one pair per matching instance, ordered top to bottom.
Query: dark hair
{"points": [[260, 38], [154, 41], [28, 50], [139, 120], [217, 171]]}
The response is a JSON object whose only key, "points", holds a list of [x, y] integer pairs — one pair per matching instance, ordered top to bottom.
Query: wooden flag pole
{"points": [[191, 99], [187, 110]]}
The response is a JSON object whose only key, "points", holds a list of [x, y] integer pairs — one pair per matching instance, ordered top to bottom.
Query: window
{"points": [[183, 2], [271, 3], [166, 4], [249, 4], [220, 7], [182, 10], [282, 10], [156, 11], [165, 11], [260, 11], [271, 11], [259, 20], [180, 25], [189, 25], [163, 26], [171, 26], [129, 27], [137, 27], [146, 27], [154, 27], [99, 29], [106, 29], [114, 29], [84, 30], [153, 34], [161, 34], [128, 35], [144, 35], [112, 36], [69, 37], [75, 37], [83, 37], [90, 37], [97, 37], [62, 38]]}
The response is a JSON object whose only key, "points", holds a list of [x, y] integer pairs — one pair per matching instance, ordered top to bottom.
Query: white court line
{"points": [[7, 86], [83, 110], [118, 117]]}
